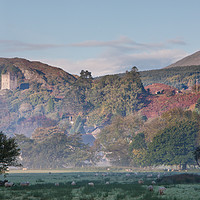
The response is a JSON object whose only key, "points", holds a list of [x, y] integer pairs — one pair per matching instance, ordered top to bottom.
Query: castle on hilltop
{"points": [[8, 81]]}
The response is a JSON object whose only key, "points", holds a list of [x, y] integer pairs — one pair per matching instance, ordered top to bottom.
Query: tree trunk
{"points": [[184, 166]]}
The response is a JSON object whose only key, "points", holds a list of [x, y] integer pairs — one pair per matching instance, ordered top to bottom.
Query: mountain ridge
{"points": [[55, 96]]}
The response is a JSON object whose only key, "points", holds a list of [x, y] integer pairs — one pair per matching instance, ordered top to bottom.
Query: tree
{"points": [[134, 69], [85, 74], [115, 95], [167, 119], [116, 137], [174, 145], [138, 149], [9, 153], [197, 155]]}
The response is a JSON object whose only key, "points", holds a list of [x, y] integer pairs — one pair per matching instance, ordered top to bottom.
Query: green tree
{"points": [[85, 74], [197, 106], [169, 118], [116, 137], [26, 145], [174, 145], [138, 150], [9, 153]]}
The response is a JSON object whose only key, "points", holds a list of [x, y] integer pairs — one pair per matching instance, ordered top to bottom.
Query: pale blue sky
{"points": [[103, 36]]}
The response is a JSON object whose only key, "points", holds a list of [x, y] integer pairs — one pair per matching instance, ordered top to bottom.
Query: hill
{"points": [[191, 60], [33, 71], [182, 74], [178, 77], [56, 98], [25, 109]]}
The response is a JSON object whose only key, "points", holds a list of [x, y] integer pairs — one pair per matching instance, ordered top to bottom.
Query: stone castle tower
{"points": [[8, 81]]}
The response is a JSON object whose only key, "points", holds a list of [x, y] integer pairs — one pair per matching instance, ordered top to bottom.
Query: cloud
{"points": [[177, 41], [123, 42], [126, 42], [16, 46], [116, 56], [154, 59], [119, 64]]}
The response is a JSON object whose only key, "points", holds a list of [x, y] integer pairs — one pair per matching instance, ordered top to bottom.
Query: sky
{"points": [[102, 36]]}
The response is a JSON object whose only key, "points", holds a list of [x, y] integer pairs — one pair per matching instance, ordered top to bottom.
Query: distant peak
{"points": [[191, 60]]}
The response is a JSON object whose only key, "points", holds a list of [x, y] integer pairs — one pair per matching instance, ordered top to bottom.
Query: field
{"points": [[107, 186]]}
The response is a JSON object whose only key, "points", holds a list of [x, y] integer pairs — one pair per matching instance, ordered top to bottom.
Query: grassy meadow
{"points": [[56, 185]]}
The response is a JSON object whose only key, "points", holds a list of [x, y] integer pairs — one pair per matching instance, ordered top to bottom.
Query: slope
{"points": [[191, 60], [30, 71], [163, 98]]}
